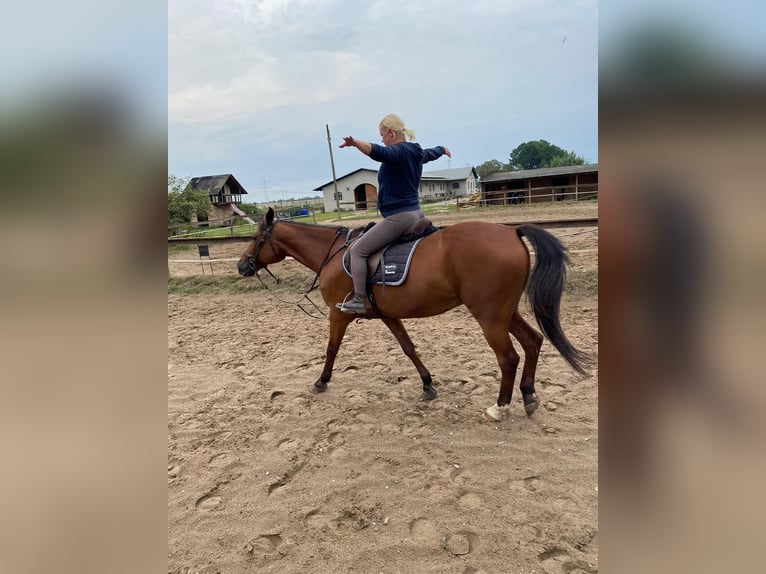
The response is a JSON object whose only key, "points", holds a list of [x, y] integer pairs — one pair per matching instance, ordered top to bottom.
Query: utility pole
{"points": [[332, 163], [265, 191]]}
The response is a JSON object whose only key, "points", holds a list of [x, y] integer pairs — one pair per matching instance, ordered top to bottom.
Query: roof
{"points": [[375, 171], [542, 172], [451, 174], [214, 183]]}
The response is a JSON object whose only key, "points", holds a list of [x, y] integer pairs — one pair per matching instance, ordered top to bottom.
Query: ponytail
{"points": [[394, 122]]}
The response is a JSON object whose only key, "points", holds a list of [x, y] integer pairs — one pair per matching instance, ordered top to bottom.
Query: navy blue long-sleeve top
{"points": [[399, 175]]}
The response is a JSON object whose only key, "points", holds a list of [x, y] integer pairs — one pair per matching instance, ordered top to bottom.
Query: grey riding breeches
{"points": [[381, 234]]}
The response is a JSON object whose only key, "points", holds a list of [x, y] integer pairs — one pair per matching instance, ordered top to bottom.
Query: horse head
{"points": [[261, 251]]}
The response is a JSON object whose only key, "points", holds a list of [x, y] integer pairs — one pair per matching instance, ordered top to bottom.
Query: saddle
{"points": [[390, 265]]}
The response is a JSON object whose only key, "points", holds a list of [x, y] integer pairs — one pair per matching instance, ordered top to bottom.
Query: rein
{"points": [[314, 284]]}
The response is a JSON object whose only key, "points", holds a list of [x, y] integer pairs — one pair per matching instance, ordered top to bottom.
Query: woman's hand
{"points": [[364, 147], [447, 152]]}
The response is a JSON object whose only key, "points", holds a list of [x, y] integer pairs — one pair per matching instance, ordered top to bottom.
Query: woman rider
{"points": [[401, 167]]}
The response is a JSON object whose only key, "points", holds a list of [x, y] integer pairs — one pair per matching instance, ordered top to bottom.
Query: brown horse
{"points": [[483, 266]]}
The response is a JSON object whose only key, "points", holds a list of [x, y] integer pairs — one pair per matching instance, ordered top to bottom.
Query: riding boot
{"points": [[354, 305]]}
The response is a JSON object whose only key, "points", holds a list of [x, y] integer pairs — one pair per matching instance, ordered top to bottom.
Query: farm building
{"points": [[573, 182], [448, 183], [358, 190], [225, 193]]}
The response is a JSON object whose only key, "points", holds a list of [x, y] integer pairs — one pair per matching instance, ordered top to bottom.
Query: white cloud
{"points": [[251, 75], [304, 79]]}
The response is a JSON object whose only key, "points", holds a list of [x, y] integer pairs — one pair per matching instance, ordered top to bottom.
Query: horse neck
{"points": [[307, 244]]}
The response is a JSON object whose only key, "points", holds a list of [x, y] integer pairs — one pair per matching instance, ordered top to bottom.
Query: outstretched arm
{"points": [[364, 147], [433, 153]]}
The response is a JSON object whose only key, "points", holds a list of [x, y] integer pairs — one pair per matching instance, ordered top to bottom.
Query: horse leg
{"points": [[338, 324], [397, 328], [496, 334], [531, 341]]}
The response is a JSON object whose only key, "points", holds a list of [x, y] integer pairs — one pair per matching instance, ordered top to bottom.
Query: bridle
{"points": [[252, 260]]}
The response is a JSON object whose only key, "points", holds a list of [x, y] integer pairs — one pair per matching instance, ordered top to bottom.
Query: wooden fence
{"points": [[528, 195]]}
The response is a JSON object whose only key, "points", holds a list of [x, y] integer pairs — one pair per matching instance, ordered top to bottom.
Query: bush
{"points": [[251, 209]]}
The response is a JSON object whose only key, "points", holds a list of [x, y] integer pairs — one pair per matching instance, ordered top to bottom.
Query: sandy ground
{"points": [[264, 476]]}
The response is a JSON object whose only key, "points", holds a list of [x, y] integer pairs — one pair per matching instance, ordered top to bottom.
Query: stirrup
{"points": [[352, 307]]}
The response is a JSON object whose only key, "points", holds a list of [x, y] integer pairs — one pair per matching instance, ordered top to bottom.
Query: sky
{"points": [[253, 83]]}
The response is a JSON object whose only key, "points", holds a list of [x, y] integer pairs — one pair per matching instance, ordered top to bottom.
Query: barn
{"points": [[572, 182], [357, 190]]}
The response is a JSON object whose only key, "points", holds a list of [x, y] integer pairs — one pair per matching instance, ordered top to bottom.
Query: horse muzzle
{"points": [[246, 268]]}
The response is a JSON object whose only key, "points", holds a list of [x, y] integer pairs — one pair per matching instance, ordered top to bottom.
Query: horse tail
{"points": [[544, 289]]}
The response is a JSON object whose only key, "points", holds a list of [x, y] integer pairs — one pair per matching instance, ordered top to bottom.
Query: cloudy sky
{"points": [[252, 83]]}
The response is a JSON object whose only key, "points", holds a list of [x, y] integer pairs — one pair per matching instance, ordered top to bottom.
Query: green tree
{"points": [[540, 153], [568, 158], [490, 167], [176, 183], [183, 202], [251, 209]]}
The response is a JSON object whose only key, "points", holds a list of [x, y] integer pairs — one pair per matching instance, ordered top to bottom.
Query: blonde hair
{"points": [[394, 122]]}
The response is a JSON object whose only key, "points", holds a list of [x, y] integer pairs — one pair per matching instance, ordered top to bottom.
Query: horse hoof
{"points": [[319, 387], [428, 395], [531, 406], [497, 414]]}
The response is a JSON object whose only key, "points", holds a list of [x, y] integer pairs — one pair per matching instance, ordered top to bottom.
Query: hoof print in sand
{"points": [[210, 501], [460, 543], [264, 544]]}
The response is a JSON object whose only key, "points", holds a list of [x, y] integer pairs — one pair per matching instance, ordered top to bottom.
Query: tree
{"points": [[540, 153], [569, 158], [490, 167], [177, 184], [183, 202], [251, 209]]}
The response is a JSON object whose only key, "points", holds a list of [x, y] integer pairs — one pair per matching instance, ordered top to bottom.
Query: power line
{"points": [[266, 190]]}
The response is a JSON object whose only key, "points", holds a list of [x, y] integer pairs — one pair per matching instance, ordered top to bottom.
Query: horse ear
{"points": [[269, 216]]}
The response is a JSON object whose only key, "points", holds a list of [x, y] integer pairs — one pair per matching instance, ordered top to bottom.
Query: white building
{"points": [[448, 183], [358, 190]]}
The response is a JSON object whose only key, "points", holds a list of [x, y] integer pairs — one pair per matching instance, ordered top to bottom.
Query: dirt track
{"points": [[265, 476]]}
